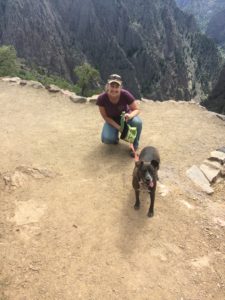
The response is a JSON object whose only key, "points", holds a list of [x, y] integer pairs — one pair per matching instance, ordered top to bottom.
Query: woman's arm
{"points": [[134, 111], [107, 119]]}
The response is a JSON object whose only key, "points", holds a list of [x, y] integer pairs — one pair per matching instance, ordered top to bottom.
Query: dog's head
{"points": [[147, 172]]}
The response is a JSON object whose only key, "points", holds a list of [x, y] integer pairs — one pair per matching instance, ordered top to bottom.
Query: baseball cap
{"points": [[115, 78]]}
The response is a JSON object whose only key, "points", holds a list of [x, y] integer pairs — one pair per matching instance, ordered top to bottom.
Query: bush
{"points": [[8, 61], [88, 79]]}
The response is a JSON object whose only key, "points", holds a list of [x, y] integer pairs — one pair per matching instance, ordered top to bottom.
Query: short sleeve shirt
{"points": [[114, 110]]}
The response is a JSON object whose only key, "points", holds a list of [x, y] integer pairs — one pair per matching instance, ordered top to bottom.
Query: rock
{"points": [[11, 79], [23, 82], [35, 84], [53, 88], [67, 93], [78, 99], [92, 99], [221, 117], [222, 149], [217, 155], [213, 164], [36, 172], [210, 172], [196, 175], [20, 177], [15, 180]]}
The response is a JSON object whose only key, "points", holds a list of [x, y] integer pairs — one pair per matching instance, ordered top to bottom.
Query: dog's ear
{"points": [[138, 163], [155, 164]]}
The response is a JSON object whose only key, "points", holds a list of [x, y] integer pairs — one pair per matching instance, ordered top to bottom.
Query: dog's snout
{"points": [[148, 177]]}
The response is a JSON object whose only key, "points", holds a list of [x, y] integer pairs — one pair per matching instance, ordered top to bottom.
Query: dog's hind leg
{"points": [[152, 200], [137, 203]]}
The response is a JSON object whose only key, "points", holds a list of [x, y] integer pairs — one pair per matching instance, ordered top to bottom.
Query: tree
{"points": [[8, 61], [88, 79]]}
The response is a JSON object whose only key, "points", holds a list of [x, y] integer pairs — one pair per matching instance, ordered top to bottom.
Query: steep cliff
{"points": [[203, 10], [216, 28], [153, 45], [216, 100]]}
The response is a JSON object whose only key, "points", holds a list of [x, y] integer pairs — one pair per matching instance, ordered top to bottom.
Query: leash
{"points": [[136, 157]]}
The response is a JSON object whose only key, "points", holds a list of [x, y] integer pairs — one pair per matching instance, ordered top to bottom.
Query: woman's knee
{"points": [[136, 122], [109, 135], [109, 140]]}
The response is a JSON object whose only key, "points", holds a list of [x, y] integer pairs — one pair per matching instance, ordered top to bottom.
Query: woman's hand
{"points": [[134, 111], [127, 117]]}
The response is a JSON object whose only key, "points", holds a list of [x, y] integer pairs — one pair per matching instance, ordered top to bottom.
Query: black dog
{"points": [[145, 172]]}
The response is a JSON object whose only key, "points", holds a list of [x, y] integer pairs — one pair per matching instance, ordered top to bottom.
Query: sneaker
{"points": [[131, 153]]}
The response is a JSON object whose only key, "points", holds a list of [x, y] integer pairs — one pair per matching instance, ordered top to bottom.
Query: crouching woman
{"points": [[111, 105]]}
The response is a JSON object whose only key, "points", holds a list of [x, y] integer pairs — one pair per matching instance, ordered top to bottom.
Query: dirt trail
{"points": [[70, 232]]}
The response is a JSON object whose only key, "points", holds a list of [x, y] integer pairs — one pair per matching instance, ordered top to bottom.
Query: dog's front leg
{"points": [[152, 200], [137, 203]]}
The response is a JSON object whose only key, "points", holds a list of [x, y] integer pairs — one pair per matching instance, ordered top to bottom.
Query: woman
{"points": [[111, 104]]}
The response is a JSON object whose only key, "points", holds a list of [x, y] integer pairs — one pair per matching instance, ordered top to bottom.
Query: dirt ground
{"points": [[68, 229]]}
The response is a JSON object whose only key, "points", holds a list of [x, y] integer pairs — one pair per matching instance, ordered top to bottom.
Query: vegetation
{"points": [[8, 61], [11, 65], [39, 75], [88, 79]]}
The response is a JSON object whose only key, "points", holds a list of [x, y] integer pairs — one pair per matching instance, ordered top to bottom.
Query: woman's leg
{"points": [[136, 122], [109, 134]]}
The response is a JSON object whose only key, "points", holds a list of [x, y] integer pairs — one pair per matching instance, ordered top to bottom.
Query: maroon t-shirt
{"points": [[114, 110]]}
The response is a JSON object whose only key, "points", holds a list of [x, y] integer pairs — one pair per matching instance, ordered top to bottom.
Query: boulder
{"points": [[11, 79], [35, 84], [53, 88], [210, 172], [196, 175]]}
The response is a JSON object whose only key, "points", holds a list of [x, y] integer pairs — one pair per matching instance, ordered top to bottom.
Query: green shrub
{"points": [[8, 61], [88, 79]]}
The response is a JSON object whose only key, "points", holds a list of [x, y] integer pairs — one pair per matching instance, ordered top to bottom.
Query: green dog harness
{"points": [[128, 133]]}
